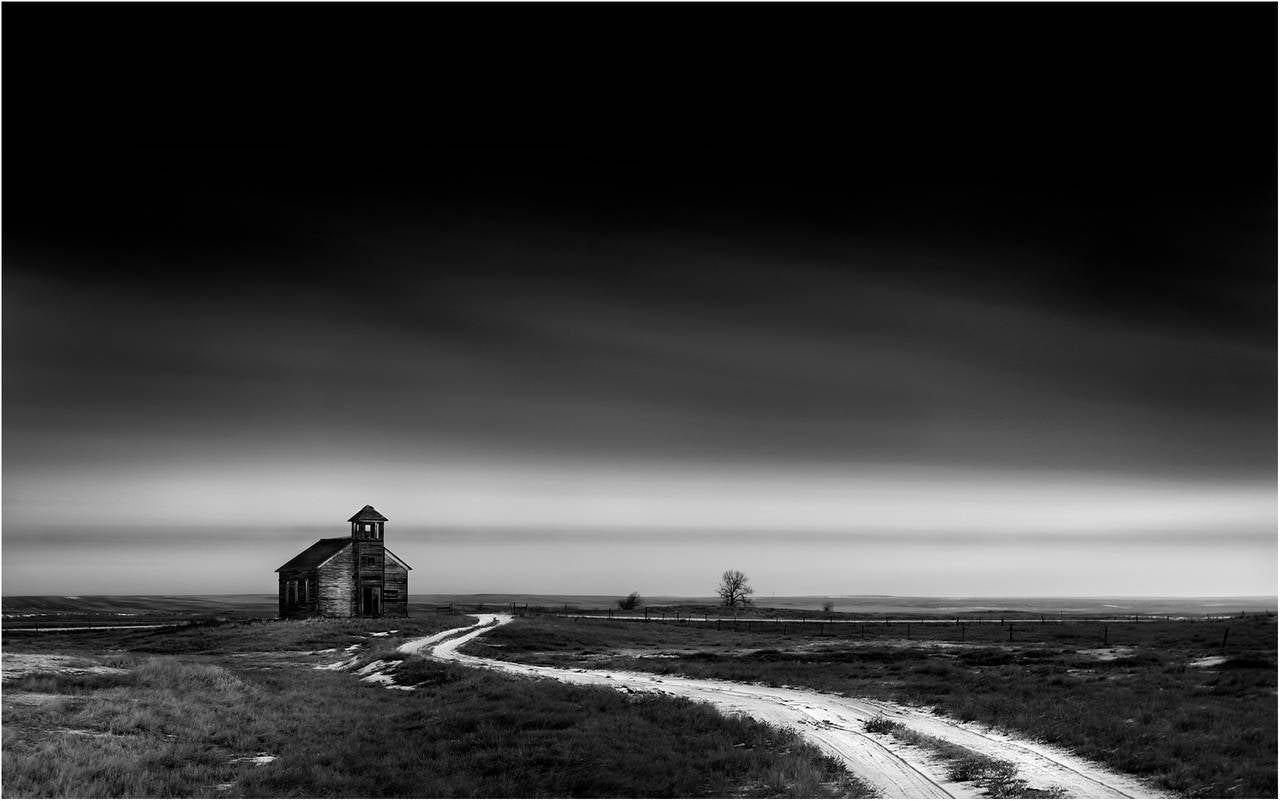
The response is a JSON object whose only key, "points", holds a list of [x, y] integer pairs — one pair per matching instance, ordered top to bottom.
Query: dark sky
{"points": [[535, 300], [1042, 363]]}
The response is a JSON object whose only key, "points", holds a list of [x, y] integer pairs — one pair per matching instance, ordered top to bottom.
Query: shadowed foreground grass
{"points": [[1144, 709], [172, 726]]}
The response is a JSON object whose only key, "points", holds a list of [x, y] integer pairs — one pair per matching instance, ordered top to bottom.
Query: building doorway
{"points": [[371, 601]]}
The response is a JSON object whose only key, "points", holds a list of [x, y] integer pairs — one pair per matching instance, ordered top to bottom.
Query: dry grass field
{"points": [[1160, 700], [238, 710]]}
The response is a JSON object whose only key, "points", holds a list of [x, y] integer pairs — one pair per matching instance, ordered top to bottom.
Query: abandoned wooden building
{"points": [[352, 576]]}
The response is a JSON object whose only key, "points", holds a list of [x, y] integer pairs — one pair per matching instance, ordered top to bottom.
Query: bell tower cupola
{"points": [[367, 524]]}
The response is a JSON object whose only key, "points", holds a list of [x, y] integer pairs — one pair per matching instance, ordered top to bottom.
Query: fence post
{"points": [[1010, 632], [1225, 632], [1105, 638]]}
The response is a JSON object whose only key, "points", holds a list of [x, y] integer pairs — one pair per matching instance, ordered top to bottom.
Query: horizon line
{"points": [[670, 595]]}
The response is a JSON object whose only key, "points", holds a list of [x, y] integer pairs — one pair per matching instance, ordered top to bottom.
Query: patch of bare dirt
{"points": [[1108, 654]]}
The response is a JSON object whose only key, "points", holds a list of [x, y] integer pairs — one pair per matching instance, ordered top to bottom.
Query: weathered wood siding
{"points": [[371, 557], [337, 585], [395, 596], [302, 600]]}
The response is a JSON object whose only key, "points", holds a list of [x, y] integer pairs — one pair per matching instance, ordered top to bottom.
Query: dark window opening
{"points": [[368, 561]]}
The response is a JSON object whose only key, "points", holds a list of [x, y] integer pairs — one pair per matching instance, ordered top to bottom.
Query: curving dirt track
{"points": [[834, 724]]}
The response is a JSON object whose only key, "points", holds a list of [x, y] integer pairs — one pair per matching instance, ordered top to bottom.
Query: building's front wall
{"points": [[370, 565], [337, 597]]}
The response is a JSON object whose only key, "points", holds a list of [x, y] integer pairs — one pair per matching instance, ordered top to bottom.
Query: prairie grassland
{"points": [[221, 638], [1142, 703], [188, 713]]}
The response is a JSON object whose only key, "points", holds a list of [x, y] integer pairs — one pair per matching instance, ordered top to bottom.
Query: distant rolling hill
{"points": [[889, 604], [133, 608], [137, 608]]}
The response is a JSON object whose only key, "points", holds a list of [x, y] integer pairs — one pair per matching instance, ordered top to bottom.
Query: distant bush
{"points": [[629, 603], [828, 606]]}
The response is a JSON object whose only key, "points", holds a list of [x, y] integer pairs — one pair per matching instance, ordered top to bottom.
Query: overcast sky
{"points": [[558, 372]]}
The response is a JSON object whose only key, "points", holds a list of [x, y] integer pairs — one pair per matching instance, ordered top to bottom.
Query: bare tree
{"points": [[734, 590], [630, 602]]}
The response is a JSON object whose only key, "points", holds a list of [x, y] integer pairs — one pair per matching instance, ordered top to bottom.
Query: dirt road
{"points": [[835, 724]]}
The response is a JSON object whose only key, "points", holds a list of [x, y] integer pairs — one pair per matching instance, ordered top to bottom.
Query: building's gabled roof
{"points": [[365, 515], [316, 555], [402, 562]]}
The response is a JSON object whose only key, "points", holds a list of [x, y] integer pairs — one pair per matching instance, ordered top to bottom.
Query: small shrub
{"points": [[629, 603], [880, 725], [968, 769]]}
